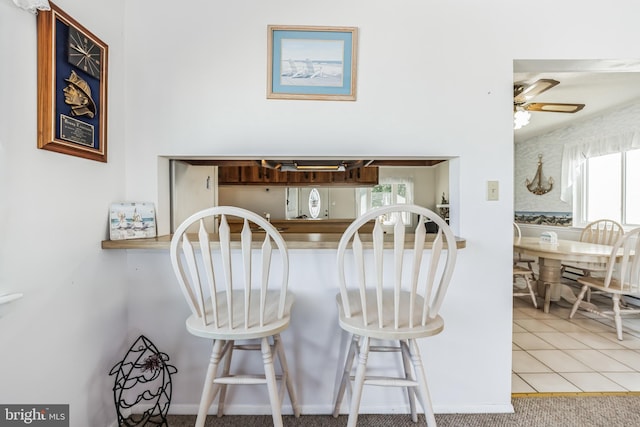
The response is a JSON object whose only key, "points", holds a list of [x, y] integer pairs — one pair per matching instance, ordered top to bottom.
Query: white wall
{"points": [[434, 79], [206, 95], [441, 172], [259, 199], [342, 203], [58, 343]]}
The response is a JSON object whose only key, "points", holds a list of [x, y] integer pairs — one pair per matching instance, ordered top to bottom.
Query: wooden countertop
{"points": [[294, 241]]}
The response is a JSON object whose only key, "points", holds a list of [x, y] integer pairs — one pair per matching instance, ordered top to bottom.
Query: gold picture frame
{"points": [[312, 62], [72, 87]]}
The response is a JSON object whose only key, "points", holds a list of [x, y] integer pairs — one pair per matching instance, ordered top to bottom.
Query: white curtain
{"points": [[33, 6], [611, 133], [576, 153]]}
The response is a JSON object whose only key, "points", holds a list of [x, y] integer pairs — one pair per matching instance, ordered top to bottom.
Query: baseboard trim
{"points": [[577, 394], [192, 409]]}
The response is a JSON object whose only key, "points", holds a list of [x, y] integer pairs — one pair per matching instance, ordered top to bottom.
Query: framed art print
{"points": [[306, 62], [72, 87], [132, 220]]}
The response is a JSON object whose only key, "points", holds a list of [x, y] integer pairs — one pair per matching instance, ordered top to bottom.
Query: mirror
{"points": [[328, 202]]}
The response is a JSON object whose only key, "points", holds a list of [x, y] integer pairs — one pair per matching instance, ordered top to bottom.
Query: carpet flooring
{"points": [[538, 411]]}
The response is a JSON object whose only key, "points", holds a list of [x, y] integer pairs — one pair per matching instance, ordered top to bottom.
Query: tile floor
{"points": [[555, 354]]}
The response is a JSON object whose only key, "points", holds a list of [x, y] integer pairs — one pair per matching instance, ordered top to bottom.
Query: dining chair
{"points": [[602, 232], [519, 258], [522, 272], [527, 276], [621, 277], [392, 286], [233, 303]]}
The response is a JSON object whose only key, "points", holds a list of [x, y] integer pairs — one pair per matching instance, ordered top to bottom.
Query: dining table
{"points": [[550, 258]]}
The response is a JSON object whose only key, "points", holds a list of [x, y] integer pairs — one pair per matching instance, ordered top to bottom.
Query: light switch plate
{"points": [[493, 190]]}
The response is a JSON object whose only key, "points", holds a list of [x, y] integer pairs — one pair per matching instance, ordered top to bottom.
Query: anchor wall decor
{"points": [[535, 185]]}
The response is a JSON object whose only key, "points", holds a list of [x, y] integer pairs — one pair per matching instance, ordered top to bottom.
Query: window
{"points": [[609, 188], [632, 188], [390, 191]]}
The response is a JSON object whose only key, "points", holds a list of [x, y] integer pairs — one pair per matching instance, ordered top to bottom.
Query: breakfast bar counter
{"points": [[294, 241], [314, 343]]}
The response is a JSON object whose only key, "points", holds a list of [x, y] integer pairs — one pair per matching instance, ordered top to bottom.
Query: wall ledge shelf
{"points": [[293, 240]]}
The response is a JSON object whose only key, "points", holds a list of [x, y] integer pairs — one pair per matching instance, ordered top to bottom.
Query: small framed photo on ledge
{"points": [[308, 62], [132, 220]]}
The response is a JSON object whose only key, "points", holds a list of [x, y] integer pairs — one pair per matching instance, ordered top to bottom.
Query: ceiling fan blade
{"points": [[524, 93], [554, 107]]}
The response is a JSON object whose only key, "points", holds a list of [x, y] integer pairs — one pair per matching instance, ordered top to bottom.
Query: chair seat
{"points": [[517, 257], [586, 266], [519, 270], [598, 284], [355, 323], [274, 325]]}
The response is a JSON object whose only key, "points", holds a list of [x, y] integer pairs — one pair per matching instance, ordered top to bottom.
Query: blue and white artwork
{"points": [[312, 62], [132, 220]]}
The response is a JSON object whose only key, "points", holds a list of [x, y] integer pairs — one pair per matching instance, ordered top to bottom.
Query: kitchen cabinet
{"points": [[229, 174], [252, 174], [256, 175], [366, 175], [273, 176], [310, 177]]}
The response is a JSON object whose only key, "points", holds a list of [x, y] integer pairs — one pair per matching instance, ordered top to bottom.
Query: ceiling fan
{"points": [[523, 93]]}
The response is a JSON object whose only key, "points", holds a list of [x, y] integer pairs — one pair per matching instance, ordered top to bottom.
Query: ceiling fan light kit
{"points": [[522, 94], [521, 118]]}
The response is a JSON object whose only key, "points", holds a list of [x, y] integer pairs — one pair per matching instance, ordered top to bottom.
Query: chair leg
{"points": [[531, 268], [588, 273], [533, 295], [576, 304], [616, 313], [406, 363], [225, 373], [285, 373], [346, 373], [421, 375], [358, 385], [272, 386], [209, 391]]}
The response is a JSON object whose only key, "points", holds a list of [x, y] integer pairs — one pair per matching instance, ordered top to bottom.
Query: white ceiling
{"points": [[601, 85]]}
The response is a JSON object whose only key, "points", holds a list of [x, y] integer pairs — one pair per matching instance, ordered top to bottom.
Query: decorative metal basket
{"points": [[142, 388]]}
